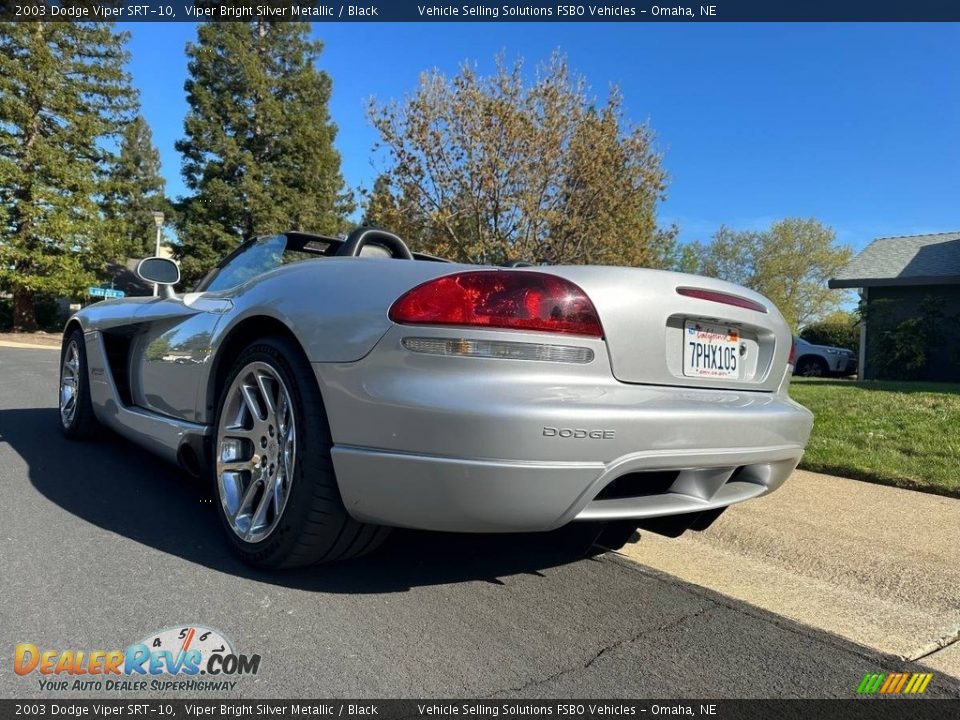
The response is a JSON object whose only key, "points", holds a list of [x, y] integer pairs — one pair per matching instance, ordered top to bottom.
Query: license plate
{"points": [[711, 351]]}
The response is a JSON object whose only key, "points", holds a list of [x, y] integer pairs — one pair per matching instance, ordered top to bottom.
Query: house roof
{"points": [[909, 260]]}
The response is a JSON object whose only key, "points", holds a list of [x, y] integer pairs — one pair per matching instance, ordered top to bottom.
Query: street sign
{"points": [[104, 292]]}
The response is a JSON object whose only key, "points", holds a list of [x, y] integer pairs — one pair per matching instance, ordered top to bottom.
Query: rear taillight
{"points": [[721, 297], [500, 299], [793, 353]]}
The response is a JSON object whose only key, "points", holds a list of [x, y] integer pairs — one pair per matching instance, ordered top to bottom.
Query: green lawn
{"points": [[896, 433]]}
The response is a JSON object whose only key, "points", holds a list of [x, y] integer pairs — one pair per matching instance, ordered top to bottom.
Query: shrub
{"points": [[839, 329], [902, 343]]}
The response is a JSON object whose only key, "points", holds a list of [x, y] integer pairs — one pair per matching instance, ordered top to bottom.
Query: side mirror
{"points": [[161, 271]]}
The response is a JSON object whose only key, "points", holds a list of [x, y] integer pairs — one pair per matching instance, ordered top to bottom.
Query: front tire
{"points": [[77, 420], [278, 497]]}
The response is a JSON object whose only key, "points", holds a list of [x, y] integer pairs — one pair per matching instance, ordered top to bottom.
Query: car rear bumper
{"points": [[483, 445], [467, 495]]}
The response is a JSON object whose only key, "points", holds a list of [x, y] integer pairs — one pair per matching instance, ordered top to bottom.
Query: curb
{"points": [[27, 346]]}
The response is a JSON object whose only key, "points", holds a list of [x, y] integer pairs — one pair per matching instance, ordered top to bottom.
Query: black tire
{"points": [[812, 366], [82, 424], [314, 525]]}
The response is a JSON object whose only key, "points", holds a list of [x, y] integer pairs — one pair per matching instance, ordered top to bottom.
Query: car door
{"points": [[170, 356]]}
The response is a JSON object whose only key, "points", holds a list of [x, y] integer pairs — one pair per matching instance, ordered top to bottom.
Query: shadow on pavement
{"points": [[121, 488]]}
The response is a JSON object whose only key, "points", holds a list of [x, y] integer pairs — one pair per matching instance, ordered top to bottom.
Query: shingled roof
{"points": [[909, 260]]}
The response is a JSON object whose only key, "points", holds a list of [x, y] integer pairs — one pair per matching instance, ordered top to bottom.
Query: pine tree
{"points": [[63, 94], [258, 154], [135, 191]]}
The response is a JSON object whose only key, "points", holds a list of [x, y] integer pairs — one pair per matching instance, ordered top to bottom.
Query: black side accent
{"points": [[118, 358]]}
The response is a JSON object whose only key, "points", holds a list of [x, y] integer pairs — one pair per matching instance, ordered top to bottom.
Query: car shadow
{"points": [[115, 485]]}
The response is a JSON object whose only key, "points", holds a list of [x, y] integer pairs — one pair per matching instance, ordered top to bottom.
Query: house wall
{"points": [[903, 303]]}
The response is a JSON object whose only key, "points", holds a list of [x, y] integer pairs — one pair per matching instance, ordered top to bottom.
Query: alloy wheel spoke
{"points": [[253, 405], [268, 406], [283, 410], [253, 434], [287, 453], [240, 465], [278, 495], [247, 499], [260, 516]]}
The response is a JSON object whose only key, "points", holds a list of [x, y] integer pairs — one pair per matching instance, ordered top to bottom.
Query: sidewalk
{"points": [[34, 341], [877, 565]]}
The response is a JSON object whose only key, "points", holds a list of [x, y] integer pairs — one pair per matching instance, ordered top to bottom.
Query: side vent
{"points": [[118, 358]]}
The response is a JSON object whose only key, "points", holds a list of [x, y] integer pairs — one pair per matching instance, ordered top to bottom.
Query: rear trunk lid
{"points": [[657, 336]]}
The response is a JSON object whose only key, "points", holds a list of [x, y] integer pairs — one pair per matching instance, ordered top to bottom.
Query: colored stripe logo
{"points": [[894, 683]]}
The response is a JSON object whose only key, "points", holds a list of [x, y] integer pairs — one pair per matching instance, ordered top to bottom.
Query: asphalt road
{"points": [[103, 544]]}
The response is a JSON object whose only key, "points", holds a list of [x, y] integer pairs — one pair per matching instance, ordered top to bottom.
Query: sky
{"points": [[857, 125]]}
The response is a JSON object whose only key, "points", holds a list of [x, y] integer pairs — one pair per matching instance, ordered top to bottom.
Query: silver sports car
{"points": [[333, 388]]}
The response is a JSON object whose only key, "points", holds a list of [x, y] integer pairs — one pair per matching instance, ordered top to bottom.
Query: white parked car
{"points": [[822, 360]]}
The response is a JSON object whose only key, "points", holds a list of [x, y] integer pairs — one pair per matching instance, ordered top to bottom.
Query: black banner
{"points": [[482, 10], [864, 709]]}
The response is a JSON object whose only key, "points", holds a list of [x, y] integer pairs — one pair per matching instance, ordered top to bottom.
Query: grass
{"points": [[895, 433]]}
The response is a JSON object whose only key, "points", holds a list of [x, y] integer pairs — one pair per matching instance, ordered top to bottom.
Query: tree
{"points": [[63, 95], [258, 154], [487, 169], [135, 190], [383, 208], [789, 263], [838, 329]]}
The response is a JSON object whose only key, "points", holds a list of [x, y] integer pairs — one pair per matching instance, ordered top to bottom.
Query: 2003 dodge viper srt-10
{"points": [[333, 388]]}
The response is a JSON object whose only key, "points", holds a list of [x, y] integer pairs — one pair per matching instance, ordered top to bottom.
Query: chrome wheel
{"points": [[69, 383], [256, 452]]}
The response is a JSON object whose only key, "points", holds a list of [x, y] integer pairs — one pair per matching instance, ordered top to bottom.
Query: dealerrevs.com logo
{"points": [[184, 658]]}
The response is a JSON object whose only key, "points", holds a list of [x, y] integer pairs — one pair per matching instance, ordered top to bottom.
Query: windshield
{"points": [[250, 260]]}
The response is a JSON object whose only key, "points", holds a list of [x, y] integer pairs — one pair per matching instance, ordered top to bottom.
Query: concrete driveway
{"points": [[877, 565]]}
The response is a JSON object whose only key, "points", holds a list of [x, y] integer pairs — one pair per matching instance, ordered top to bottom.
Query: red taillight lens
{"points": [[721, 297], [500, 299], [793, 353]]}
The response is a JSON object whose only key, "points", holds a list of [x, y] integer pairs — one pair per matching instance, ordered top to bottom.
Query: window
{"points": [[252, 259]]}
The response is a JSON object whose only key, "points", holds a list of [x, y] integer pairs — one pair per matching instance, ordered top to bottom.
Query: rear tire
{"points": [[812, 367], [77, 420], [304, 520]]}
